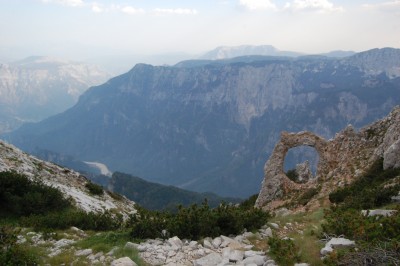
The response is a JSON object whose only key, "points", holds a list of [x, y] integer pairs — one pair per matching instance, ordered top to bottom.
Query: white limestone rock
{"points": [[391, 157], [378, 212], [274, 225], [175, 242], [216, 242], [336, 242], [207, 244], [84, 252], [236, 256], [210, 259], [257, 259], [125, 261]]}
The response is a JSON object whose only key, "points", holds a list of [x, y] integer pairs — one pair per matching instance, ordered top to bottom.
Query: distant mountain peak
{"points": [[225, 52]]}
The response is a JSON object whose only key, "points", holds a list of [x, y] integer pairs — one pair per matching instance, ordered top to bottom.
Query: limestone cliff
{"points": [[209, 126], [341, 159]]}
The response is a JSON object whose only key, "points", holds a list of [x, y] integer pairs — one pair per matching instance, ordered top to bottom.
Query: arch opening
{"points": [[300, 163]]}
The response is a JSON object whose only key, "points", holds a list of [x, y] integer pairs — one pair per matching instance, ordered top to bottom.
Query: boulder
{"points": [[386, 213], [274, 225], [175, 242], [216, 242], [336, 242], [207, 244], [130, 245], [83, 253], [236, 256], [210, 259], [257, 259], [125, 261]]}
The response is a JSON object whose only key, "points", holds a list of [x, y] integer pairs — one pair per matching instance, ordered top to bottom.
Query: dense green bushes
{"points": [[94, 189], [368, 191], [20, 196], [34, 204], [73, 217], [196, 221], [352, 224], [373, 235], [284, 251]]}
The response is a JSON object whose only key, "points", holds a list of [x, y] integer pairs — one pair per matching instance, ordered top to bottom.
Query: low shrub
{"points": [[292, 175], [94, 189], [368, 191], [307, 196], [73, 217], [196, 222], [377, 237], [284, 251], [13, 254]]}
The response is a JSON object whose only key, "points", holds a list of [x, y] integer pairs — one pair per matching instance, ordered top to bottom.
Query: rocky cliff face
{"points": [[38, 87], [209, 126], [341, 159], [71, 183]]}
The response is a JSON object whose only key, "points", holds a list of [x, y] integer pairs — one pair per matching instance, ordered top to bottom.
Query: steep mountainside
{"points": [[38, 87], [211, 126], [70, 183]]}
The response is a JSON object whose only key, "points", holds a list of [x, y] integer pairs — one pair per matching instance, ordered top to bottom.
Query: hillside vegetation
{"points": [[155, 196], [32, 204]]}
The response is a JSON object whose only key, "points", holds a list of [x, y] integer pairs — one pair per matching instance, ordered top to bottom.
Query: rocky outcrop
{"points": [[391, 157], [340, 159], [303, 172], [70, 183]]}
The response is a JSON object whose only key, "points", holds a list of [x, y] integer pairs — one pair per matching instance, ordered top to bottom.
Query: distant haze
{"points": [[141, 30]]}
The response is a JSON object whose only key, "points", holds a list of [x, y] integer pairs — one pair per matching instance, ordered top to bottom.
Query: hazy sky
{"points": [[81, 29]]}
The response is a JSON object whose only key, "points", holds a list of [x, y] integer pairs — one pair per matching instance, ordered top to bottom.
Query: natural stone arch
{"points": [[275, 182]]}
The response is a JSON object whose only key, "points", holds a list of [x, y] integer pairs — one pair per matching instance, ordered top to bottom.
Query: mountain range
{"points": [[226, 52], [37, 87], [210, 125]]}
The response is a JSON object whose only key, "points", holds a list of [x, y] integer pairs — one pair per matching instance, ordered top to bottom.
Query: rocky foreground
{"points": [[221, 250]]}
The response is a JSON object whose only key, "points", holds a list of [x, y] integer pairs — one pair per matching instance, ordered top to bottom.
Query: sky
{"points": [[80, 29]]}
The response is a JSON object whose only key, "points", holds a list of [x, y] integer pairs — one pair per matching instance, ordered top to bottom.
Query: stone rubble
{"points": [[219, 251]]}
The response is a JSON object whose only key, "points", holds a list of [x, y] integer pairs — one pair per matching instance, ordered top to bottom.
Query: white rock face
{"points": [[391, 157]]}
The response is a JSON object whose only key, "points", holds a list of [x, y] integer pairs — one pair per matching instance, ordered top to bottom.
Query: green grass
{"points": [[106, 241], [307, 242]]}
